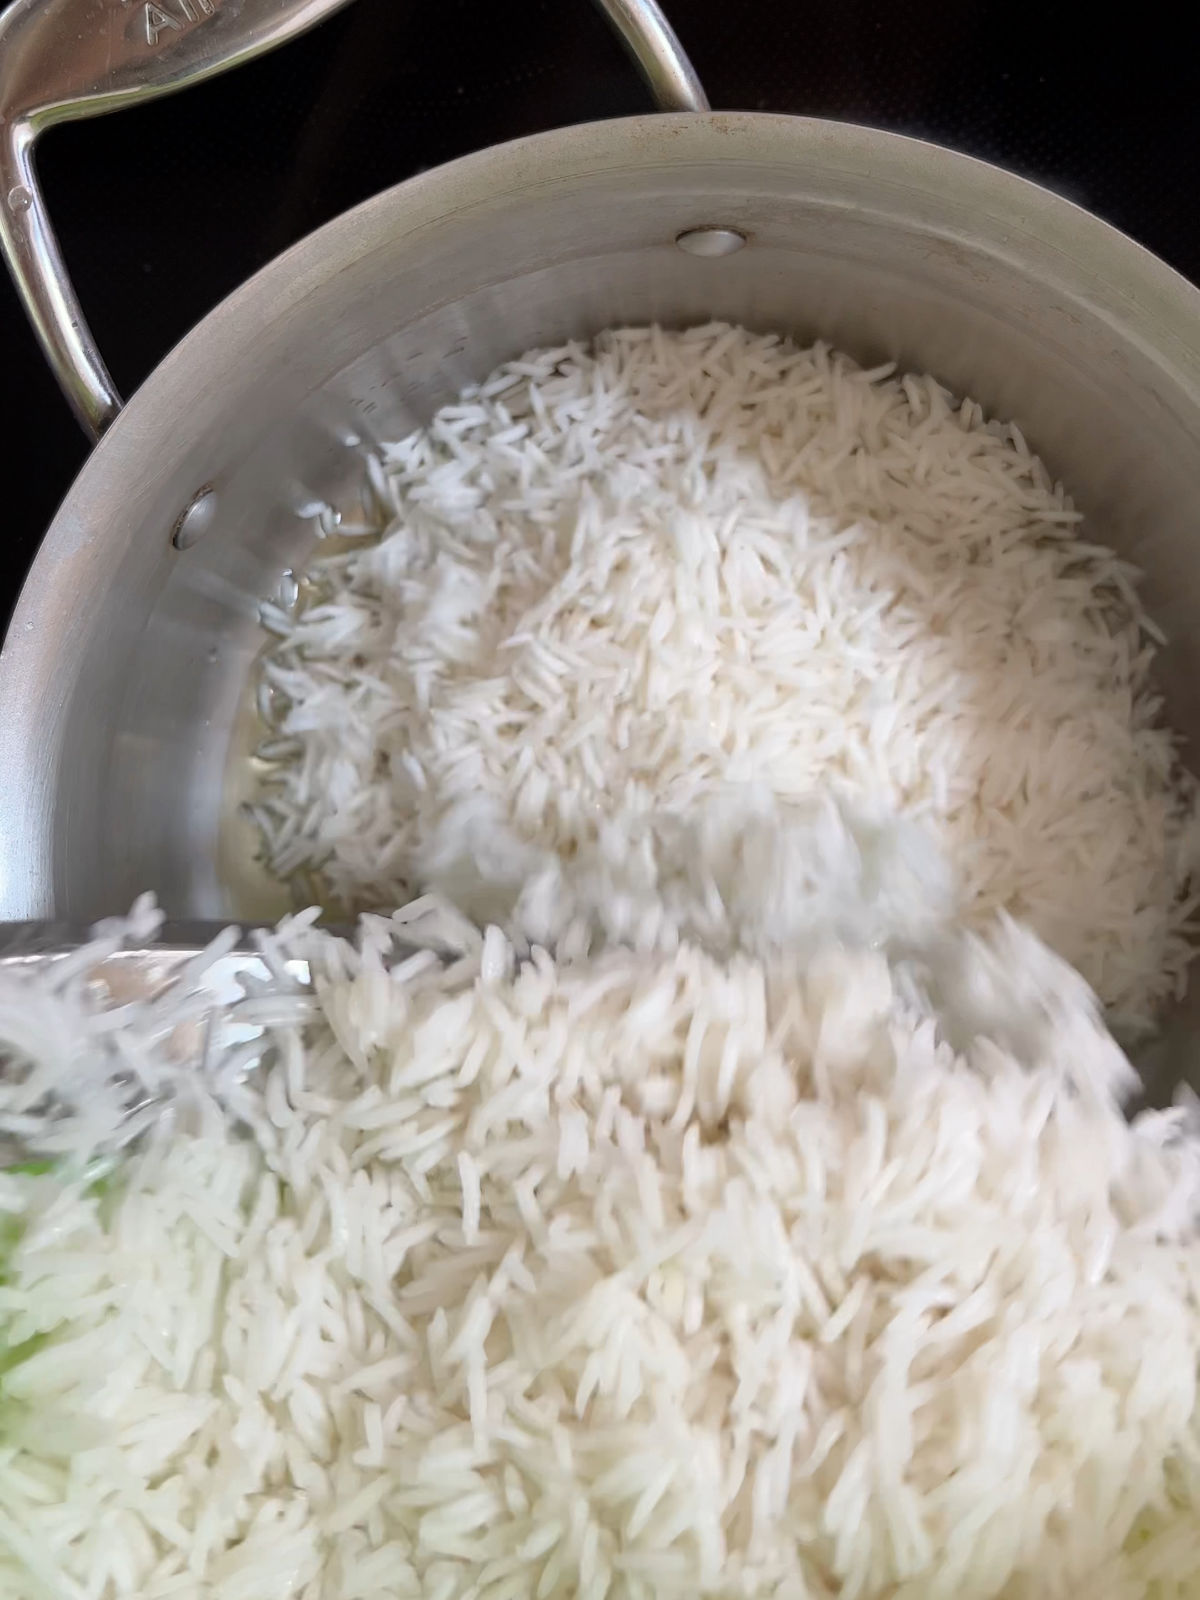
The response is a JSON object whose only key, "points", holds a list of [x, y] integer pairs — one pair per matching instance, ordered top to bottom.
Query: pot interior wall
{"points": [[887, 248]]}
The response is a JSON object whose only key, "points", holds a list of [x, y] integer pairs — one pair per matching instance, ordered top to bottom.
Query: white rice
{"points": [[639, 586], [772, 1238], [637, 1277]]}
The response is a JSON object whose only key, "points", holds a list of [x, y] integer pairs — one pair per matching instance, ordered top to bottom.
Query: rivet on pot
{"points": [[710, 241], [194, 520]]}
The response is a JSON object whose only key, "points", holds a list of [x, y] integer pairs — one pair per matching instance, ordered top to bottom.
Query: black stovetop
{"points": [[164, 210]]}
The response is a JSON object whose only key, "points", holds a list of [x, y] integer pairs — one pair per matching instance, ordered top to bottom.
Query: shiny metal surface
{"points": [[651, 41], [64, 60], [711, 241], [196, 520], [124, 669]]}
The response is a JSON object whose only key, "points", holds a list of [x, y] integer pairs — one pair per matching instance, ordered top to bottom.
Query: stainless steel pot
{"points": [[124, 667]]}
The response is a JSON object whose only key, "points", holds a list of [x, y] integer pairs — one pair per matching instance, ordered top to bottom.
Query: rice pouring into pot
{"points": [[704, 573], [718, 1182]]}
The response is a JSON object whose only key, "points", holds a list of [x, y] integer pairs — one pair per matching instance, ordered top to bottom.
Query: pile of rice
{"points": [[696, 575], [779, 1234], [631, 1277]]}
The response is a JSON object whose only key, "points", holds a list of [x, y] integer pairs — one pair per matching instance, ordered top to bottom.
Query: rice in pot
{"points": [[672, 576]]}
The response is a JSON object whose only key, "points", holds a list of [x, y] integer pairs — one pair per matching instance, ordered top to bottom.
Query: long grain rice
{"points": [[629, 588], [637, 1277]]}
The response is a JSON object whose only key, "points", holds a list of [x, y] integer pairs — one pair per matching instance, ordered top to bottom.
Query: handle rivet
{"points": [[19, 198], [710, 241], [194, 521]]}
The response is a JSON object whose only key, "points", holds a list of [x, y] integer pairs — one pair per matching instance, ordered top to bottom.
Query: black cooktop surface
{"points": [[164, 210]]}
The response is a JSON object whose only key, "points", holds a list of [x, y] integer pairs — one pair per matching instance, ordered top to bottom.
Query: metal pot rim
{"points": [[1126, 279]]}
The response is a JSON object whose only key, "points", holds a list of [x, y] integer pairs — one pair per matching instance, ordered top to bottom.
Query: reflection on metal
{"points": [[710, 241], [195, 521]]}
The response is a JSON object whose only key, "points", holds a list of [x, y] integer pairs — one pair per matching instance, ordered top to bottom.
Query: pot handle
{"points": [[63, 60]]}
